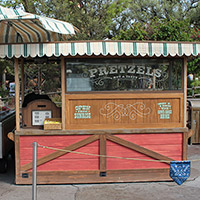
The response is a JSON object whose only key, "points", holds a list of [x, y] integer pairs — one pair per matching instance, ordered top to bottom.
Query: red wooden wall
{"points": [[167, 144]]}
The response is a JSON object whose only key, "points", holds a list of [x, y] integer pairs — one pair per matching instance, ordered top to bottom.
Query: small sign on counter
{"points": [[39, 116]]}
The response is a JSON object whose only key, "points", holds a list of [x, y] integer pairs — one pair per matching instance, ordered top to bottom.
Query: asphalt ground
{"points": [[190, 190]]}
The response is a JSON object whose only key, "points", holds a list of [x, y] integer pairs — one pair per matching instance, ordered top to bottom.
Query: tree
{"points": [[29, 6], [146, 10], [195, 16], [95, 19], [161, 29]]}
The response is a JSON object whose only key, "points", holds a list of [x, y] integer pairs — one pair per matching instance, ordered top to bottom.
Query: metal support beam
{"points": [[34, 172]]}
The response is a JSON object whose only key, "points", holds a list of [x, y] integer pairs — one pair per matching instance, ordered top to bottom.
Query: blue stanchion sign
{"points": [[180, 171]]}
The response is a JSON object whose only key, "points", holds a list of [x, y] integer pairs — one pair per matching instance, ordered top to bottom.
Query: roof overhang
{"points": [[103, 48]]}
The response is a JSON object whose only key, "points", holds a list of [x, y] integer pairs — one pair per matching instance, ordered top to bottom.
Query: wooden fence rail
{"points": [[194, 92]]}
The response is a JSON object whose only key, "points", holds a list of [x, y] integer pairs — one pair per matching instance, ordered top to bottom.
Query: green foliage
{"points": [[11, 3], [29, 6], [144, 11], [195, 15], [107, 18], [95, 19], [159, 29], [172, 30], [136, 32], [6, 66], [193, 66], [196, 83], [195, 87], [3, 92]]}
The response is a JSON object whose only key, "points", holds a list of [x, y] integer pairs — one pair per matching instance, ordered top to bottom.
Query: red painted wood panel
{"points": [[156, 138], [59, 140], [168, 144], [166, 150], [42, 152], [69, 161], [69, 165]]}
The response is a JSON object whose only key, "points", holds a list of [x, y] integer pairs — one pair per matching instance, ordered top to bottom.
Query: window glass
{"points": [[123, 75]]}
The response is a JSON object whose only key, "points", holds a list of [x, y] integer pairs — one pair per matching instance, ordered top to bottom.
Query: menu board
{"points": [[38, 117]]}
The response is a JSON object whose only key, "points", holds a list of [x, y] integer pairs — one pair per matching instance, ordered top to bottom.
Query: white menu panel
{"points": [[39, 116]]}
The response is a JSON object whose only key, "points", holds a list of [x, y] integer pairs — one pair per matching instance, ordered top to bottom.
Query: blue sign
{"points": [[180, 171]]}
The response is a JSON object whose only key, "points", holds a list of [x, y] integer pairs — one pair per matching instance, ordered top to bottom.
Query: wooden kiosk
{"points": [[120, 99]]}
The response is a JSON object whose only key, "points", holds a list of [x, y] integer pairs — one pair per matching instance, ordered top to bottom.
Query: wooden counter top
{"points": [[98, 132]]}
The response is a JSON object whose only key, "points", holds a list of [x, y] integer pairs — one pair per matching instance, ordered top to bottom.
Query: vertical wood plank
{"points": [[22, 80], [63, 89], [185, 92], [17, 107], [67, 111], [194, 125], [197, 128], [198, 135], [185, 145], [17, 155], [102, 164]]}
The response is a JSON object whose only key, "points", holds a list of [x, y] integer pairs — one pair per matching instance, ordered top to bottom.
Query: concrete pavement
{"points": [[190, 190]]}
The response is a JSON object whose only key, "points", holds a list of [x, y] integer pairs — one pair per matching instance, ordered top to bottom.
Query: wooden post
{"points": [[22, 81], [63, 87], [185, 92], [17, 107], [185, 143], [102, 163]]}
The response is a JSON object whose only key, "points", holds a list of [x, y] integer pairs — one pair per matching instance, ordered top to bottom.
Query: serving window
{"points": [[123, 74]]}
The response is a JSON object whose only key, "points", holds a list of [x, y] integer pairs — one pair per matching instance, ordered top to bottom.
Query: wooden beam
{"points": [[22, 80], [63, 88], [17, 91], [185, 93], [100, 131], [186, 136], [185, 144], [138, 148], [58, 153], [17, 155], [102, 163], [92, 176]]}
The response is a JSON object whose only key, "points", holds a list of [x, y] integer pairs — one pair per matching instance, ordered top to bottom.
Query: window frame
{"points": [[93, 59]]}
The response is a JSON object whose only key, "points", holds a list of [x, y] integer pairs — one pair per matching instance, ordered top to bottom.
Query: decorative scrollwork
{"points": [[97, 81], [100, 81], [130, 110]]}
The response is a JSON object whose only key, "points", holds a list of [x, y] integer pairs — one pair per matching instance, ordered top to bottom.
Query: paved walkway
{"points": [[190, 190]]}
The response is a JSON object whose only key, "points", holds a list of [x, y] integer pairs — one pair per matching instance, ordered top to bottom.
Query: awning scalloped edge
{"points": [[127, 48]]}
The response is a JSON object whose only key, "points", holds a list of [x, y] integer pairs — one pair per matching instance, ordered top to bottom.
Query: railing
{"points": [[195, 94]]}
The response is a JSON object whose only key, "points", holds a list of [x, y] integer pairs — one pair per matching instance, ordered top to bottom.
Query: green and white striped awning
{"points": [[17, 26], [89, 48]]}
